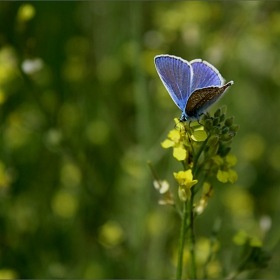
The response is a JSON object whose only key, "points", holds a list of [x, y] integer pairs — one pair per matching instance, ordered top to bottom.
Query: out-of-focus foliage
{"points": [[82, 110]]}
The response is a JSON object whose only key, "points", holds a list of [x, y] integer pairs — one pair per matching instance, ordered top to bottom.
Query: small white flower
{"points": [[161, 186]]}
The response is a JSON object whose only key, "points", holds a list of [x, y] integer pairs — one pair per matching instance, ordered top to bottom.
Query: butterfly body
{"points": [[194, 86]]}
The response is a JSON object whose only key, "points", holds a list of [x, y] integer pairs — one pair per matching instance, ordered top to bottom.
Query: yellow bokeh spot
{"points": [[26, 12], [77, 46], [148, 61], [109, 69], [74, 70], [2, 97], [69, 115], [97, 132], [15, 135], [252, 147], [274, 157], [131, 162], [70, 175], [5, 179], [239, 201], [64, 204], [156, 223], [111, 234], [203, 248], [94, 270], [6, 273]]}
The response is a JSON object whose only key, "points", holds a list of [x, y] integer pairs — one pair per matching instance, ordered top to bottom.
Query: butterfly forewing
{"points": [[176, 75], [204, 75], [201, 99]]}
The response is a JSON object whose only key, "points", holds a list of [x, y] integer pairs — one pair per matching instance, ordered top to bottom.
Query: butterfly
{"points": [[194, 86]]}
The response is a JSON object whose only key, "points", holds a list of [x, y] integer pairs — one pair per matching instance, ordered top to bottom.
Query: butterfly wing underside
{"points": [[176, 75], [201, 99]]}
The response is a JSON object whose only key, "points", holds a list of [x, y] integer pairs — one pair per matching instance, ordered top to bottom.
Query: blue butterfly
{"points": [[194, 86]]}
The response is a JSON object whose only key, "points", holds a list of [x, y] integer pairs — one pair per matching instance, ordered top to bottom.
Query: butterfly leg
{"points": [[199, 118]]}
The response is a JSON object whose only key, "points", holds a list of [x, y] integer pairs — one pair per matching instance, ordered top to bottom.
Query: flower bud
{"points": [[224, 109], [218, 113], [222, 117], [216, 121], [229, 121], [208, 124], [234, 127], [216, 130], [225, 130], [227, 136], [213, 140], [213, 150], [224, 151], [182, 194]]}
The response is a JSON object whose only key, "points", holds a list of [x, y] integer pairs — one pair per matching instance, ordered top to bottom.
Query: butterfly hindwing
{"points": [[176, 75], [201, 99]]}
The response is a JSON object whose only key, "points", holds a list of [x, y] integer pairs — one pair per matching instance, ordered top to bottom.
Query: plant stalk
{"points": [[191, 239], [182, 241]]}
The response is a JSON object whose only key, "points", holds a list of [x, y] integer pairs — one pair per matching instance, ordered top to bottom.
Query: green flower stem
{"points": [[196, 158], [187, 226], [191, 239], [182, 241]]}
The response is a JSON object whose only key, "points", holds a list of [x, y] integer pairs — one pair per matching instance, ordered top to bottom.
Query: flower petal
{"points": [[174, 135], [199, 135], [167, 143], [180, 153], [218, 160], [231, 160], [222, 176], [232, 176]]}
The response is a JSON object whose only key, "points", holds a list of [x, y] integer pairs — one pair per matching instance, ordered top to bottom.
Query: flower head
{"points": [[225, 173], [185, 180]]}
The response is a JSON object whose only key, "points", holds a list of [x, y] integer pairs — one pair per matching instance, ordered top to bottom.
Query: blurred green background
{"points": [[83, 109]]}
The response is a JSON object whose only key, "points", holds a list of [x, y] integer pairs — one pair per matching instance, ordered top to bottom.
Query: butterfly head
{"points": [[184, 117]]}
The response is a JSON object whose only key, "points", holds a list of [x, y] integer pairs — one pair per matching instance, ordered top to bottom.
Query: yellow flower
{"points": [[177, 141], [225, 173], [185, 180]]}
